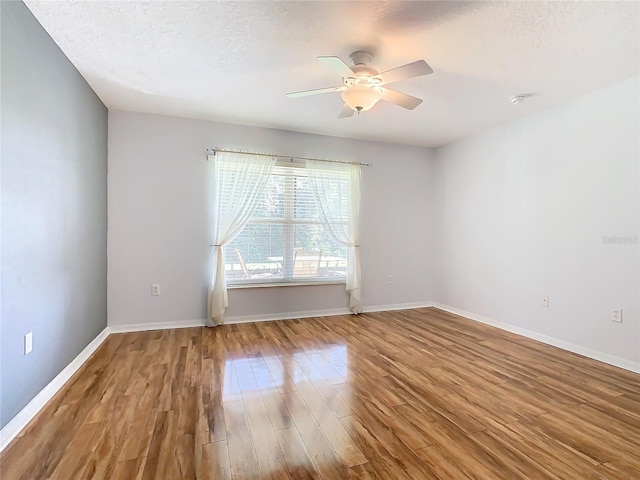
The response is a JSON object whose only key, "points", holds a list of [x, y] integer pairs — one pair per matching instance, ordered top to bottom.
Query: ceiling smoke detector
{"points": [[516, 99]]}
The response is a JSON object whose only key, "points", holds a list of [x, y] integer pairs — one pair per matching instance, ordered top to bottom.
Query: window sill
{"points": [[285, 284]]}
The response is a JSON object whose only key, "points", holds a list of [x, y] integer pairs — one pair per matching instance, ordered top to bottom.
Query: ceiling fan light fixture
{"points": [[361, 98]]}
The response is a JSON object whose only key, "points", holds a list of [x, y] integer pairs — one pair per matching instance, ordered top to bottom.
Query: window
{"points": [[293, 223], [285, 239]]}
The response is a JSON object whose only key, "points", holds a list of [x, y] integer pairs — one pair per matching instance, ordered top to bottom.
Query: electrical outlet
{"points": [[388, 278], [155, 290], [545, 301], [616, 316], [28, 343]]}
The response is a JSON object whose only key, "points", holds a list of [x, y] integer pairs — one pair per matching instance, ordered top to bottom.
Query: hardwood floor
{"points": [[414, 394]]}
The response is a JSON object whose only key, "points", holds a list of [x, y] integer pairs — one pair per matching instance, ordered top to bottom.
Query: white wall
{"points": [[522, 211], [505, 217], [158, 228]]}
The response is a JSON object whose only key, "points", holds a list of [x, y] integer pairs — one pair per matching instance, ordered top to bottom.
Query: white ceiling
{"points": [[234, 61]]}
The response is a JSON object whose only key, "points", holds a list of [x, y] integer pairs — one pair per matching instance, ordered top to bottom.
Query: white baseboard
{"points": [[397, 306], [323, 313], [286, 315], [140, 327], [143, 327], [571, 347], [17, 423]]}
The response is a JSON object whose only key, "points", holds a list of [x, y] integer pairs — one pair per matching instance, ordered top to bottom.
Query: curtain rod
{"points": [[212, 151]]}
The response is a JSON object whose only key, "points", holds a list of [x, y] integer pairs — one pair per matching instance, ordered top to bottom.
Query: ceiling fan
{"points": [[364, 86]]}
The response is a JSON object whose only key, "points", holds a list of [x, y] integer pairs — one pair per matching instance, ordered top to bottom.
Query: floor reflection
{"points": [[251, 374], [280, 407]]}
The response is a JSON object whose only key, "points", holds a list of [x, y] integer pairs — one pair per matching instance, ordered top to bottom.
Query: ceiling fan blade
{"points": [[338, 65], [410, 70], [304, 93], [401, 99], [346, 111]]}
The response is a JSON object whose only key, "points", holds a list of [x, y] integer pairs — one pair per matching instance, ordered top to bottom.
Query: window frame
{"points": [[288, 222]]}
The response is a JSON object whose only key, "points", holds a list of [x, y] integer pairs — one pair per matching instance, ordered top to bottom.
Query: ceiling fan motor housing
{"points": [[360, 58], [364, 74]]}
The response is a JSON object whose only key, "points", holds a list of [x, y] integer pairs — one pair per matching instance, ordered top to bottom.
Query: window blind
{"points": [[285, 239]]}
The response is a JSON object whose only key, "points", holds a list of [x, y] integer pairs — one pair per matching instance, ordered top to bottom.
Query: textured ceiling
{"points": [[234, 61]]}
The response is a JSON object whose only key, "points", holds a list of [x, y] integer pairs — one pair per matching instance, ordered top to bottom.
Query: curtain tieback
{"points": [[214, 245], [356, 245]]}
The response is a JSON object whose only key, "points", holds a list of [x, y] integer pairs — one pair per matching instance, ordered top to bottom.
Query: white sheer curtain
{"points": [[238, 182], [336, 189]]}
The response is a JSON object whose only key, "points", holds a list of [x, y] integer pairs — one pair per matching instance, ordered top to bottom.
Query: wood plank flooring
{"points": [[414, 394]]}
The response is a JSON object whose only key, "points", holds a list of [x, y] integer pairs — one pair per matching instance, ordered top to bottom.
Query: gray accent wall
{"points": [[54, 210]]}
